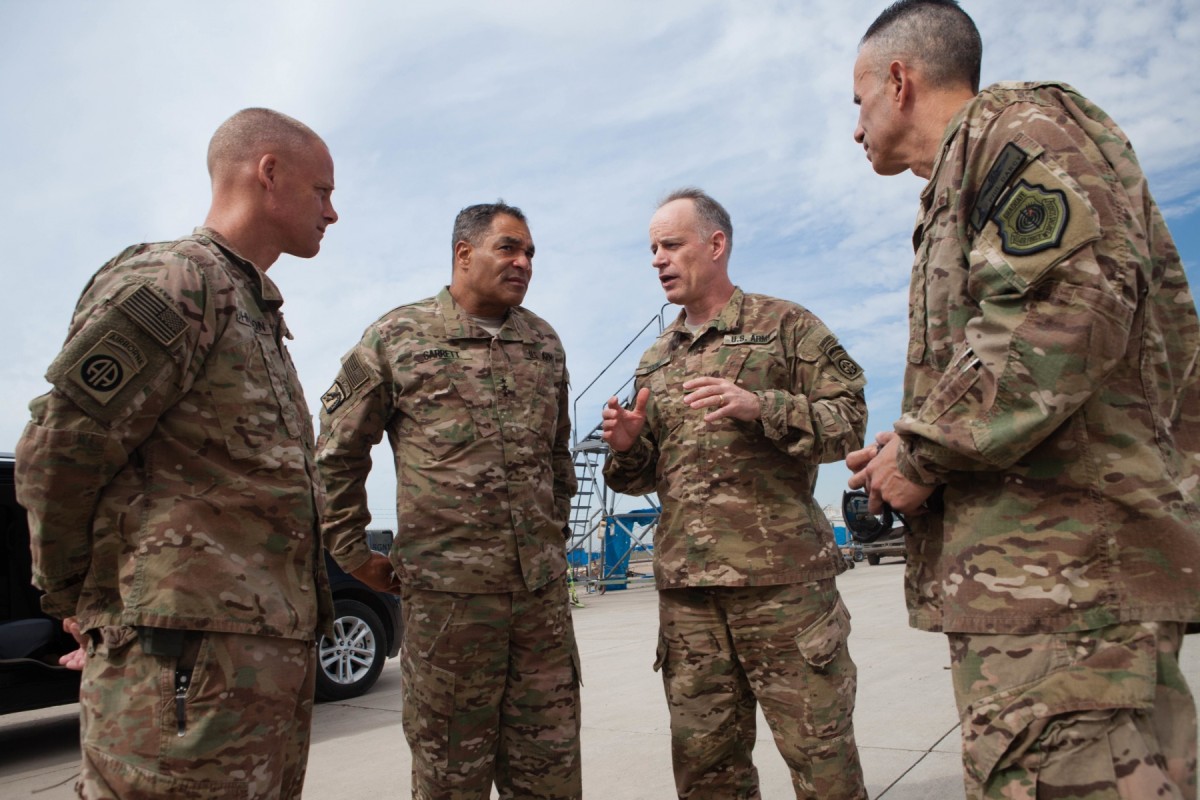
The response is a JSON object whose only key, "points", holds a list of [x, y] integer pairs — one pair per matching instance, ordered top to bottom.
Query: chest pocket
{"points": [[937, 251], [751, 360], [249, 392], [666, 397], [534, 405], [447, 408]]}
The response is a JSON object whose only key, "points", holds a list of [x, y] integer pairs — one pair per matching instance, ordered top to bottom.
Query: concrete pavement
{"points": [[906, 724]]}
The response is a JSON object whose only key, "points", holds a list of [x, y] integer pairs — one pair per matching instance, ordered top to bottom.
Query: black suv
{"points": [[368, 629], [30, 641]]}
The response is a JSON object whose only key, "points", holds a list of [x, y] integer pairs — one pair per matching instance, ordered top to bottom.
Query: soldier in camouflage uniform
{"points": [[471, 389], [1051, 400], [736, 404], [173, 496]]}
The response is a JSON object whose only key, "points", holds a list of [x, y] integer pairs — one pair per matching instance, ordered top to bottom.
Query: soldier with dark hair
{"points": [[471, 389], [736, 405], [1048, 454], [173, 496]]}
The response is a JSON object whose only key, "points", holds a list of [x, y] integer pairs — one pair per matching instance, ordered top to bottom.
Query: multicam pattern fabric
{"points": [[1052, 379], [480, 429], [169, 475], [737, 497], [720, 649], [1080, 715], [468, 719], [240, 730]]}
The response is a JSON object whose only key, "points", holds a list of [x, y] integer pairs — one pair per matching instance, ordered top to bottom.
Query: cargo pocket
{"points": [[660, 653], [832, 678], [1098, 678], [428, 711]]}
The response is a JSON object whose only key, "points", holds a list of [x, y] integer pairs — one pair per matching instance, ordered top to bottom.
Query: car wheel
{"points": [[873, 559], [350, 662]]}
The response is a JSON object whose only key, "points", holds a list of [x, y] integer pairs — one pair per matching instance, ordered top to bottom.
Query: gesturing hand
{"points": [[621, 426]]}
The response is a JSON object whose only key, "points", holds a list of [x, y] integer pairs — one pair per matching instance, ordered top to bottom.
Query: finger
{"points": [[699, 383], [643, 397], [858, 480]]}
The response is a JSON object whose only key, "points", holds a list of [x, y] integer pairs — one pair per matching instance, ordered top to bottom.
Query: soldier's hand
{"points": [[725, 397], [621, 426], [857, 460], [883, 483], [378, 574], [76, 658]]}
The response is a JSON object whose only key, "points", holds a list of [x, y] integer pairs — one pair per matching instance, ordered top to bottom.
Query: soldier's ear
{"points": [[462, 253]]}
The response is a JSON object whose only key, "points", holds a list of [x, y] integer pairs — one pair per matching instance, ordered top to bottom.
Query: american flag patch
{"points": [[152, 312], [356, 373]]}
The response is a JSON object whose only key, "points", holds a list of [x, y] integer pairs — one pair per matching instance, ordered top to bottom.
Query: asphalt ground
{"points": [[906, 724]]}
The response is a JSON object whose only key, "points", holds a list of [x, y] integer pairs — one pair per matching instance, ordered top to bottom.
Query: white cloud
{"points": [[582, 114]]}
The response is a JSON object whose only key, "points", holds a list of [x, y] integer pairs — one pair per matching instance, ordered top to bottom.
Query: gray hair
{"points": [[937, 34], [253, 131], [713, 216], [474, 221]]}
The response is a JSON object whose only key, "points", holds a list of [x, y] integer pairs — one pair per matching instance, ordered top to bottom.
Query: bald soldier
{"points": [[737, 403], [1047, 452], [172, 492]]}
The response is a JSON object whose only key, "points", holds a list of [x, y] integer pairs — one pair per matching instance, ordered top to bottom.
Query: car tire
{"points": [[873, 559], [349, 663]]}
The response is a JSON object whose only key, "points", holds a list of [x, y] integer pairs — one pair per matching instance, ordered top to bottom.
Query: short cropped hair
{"points": [[936, 33], [254, 131], [712, 214], [473, 221]]}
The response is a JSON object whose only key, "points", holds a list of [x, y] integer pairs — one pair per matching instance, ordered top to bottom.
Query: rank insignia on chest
{"points": [[1031, 219]]}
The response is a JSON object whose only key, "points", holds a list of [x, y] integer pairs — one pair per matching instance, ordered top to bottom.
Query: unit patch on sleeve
{"points": [[1006, 165], [1031, 219], [840, 358], [108, 367], [333, 398]]}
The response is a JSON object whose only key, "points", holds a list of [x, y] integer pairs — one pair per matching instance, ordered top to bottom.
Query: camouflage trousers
{"points": [[721, 650], [491, 694], [1090, 715], [229, 718]]}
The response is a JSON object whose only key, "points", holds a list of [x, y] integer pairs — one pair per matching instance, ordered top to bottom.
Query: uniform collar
{"points": [[269, 295], [730, 318], [459, 325]]}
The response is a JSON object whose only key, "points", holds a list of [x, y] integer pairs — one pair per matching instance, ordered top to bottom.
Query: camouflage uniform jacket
{"points": [[1052, 379], [480, 430], [169, 475], [737, 503]]}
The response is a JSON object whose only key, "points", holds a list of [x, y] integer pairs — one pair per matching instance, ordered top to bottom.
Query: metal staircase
{"points": [[593, 504]]}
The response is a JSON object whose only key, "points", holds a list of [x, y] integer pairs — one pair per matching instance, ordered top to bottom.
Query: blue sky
{"points": [[582, 114]]}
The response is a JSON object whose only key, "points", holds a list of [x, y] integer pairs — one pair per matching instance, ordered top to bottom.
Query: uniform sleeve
{"points": [[1054, 305], [136, 340], [354, 415], [822, 416]]}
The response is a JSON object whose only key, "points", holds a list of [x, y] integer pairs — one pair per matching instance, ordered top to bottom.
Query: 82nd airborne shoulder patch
{"points": [[1031, 219]]}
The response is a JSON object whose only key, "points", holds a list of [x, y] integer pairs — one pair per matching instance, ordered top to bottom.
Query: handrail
{"points": [[575, 407]]}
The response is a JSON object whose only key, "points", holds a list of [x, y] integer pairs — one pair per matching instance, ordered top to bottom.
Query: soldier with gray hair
{"points": [[471, 389], [736, 405], [1048, 451], [173, 494]]}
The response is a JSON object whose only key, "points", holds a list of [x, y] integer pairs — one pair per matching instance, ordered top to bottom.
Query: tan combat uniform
{"points": [[1052, 390], [480, 430], [170, 482], [744, 558]]}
